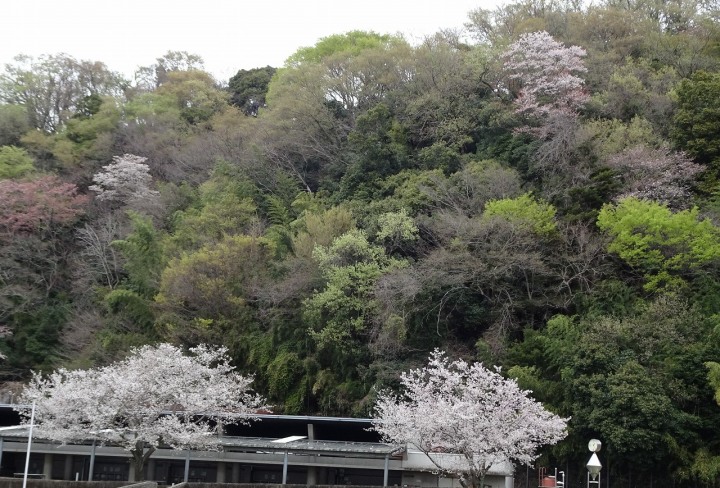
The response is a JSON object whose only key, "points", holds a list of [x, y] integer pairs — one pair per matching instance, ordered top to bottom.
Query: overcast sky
{"points": [[228, 34]]}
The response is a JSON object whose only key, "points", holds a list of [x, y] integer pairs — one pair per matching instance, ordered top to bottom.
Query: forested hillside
{"points": [[543, 195]]}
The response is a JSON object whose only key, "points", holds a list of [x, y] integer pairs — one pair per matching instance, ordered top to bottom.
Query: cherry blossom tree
{"points": [[545, 71], [543, 74], [656, 174], [125, 180], [37, 204], [157, 396], [465, 418]]}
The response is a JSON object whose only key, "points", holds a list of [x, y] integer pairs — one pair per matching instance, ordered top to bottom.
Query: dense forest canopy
{"points": [[542, 194]]}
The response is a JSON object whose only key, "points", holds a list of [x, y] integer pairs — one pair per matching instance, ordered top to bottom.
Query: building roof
{"points": [[305, 446]]}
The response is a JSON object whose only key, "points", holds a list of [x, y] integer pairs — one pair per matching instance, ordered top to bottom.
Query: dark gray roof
{"points": [[264, 444]]}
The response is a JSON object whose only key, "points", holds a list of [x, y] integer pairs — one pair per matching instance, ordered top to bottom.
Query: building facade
{"points": [[273, 449]]}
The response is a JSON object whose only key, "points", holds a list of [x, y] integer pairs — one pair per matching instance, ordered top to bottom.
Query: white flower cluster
{"points": [[546, 71], [126, 179], [157, 395], [465, 418]]}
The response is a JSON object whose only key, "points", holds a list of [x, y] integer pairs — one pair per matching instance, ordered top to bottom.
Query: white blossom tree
{"points": [[546, 72], [544, 76], [125, 180], [156, 396], [465, 418]]}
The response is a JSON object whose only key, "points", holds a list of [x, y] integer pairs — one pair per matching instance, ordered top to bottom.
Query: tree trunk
{"points": [[139, 457], [473, 479]]}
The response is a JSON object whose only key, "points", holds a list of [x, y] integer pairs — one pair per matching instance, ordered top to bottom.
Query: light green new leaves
{"points": [[14, 162], [524, 210], [397, 228], [665, 245], [218, 280], [344, 309], [714, 378]]}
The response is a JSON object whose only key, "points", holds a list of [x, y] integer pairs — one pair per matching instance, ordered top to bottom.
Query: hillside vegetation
{"points": [[542, 194]]}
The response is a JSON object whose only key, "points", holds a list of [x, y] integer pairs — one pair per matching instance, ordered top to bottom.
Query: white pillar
{"points": [[29, 445], [92, 463], [187, 466], [285, 466], [385, 470], [311, 479], [509, 482]]}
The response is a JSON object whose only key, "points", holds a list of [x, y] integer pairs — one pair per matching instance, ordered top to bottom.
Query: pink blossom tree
{"points": [[546, 72], [660, 175], [126, 179], [38, 204], [156, 396], [465, 418]]}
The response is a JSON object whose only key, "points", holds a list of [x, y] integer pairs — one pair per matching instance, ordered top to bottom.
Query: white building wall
{"points": [[418, 471]]}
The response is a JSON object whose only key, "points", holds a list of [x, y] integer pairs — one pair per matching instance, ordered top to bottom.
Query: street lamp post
{"points": [[29, 440], [29, 444], [593, 465], [91, 470]]}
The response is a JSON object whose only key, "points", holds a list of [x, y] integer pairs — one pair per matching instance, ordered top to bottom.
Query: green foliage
{"points": [[350, 43], [249, 87], [639, 89], [194, 94], [88, 106], [154, 108], [697, 118], [13, 124], [88, 135], [613, 136], [379, 144], [439, 155], [15, 162], [409, 189], [586, 201], [384, 203], [225, 205], [277, 211], [525, 211], [320, 229], [396, 229], [666, 246], [143, 254], [218, 281], [609, 297], [133, 308], [340, 315], [36, 335], [114, 344], [714, 378], [636, 381], [287, 383], [706, 466]]}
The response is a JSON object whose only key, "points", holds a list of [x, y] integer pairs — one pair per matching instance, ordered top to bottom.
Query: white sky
{"points": [[228, 34]]}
